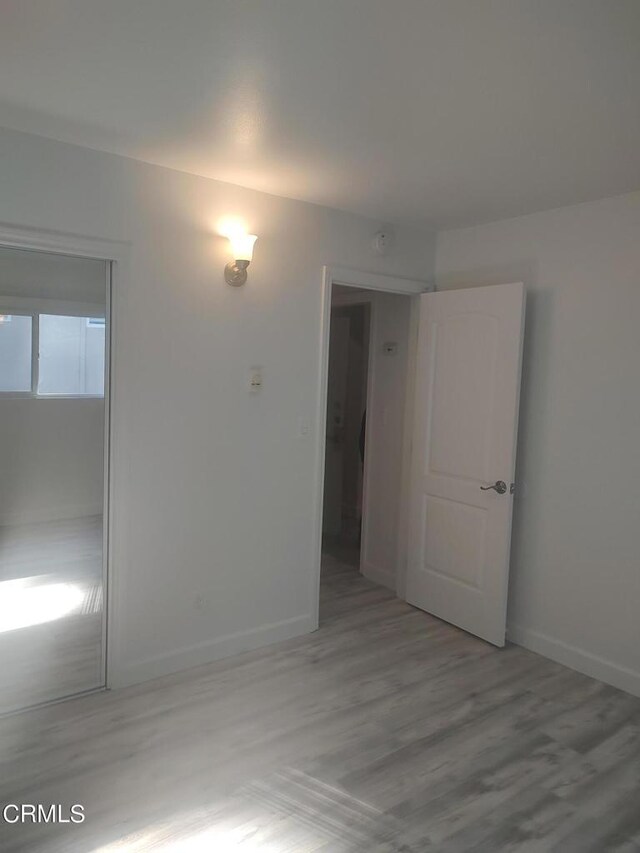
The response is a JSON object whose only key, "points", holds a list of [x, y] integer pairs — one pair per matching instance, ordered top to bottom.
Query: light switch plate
{"points": [[255, 379]]}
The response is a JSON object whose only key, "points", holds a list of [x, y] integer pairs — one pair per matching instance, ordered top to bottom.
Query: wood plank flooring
{"points": [[51, 574], [386, 730]]}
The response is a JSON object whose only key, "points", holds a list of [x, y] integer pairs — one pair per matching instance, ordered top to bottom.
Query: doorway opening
{"points": [[367, 383], [54, 407], [345, 431], [440, 444]]}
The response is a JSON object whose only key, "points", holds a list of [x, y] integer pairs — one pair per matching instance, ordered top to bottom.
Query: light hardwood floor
{"points": [[50, 610], [386, 730]]}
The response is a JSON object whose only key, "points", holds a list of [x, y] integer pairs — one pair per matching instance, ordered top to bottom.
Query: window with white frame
{"points": [[16, 333], [49, 355]]}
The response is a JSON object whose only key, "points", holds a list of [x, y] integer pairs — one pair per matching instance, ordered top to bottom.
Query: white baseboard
{"points": [[60, 512], [378, 575], [209, 651], [575, 658]]}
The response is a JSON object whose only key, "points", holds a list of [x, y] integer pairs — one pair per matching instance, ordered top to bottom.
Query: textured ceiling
{"points": [[439, 112]]}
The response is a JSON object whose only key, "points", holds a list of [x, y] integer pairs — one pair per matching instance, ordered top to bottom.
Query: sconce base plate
{"points": [[235, 274]]}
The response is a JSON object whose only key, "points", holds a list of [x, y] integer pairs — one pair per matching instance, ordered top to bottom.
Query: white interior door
{"points": [[463, 457]]}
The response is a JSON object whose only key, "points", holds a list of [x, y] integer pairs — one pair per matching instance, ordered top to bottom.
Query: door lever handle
{"points": [[499, 486]]}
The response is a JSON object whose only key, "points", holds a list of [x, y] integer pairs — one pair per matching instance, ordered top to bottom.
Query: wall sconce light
{"points": [[235, 272]]}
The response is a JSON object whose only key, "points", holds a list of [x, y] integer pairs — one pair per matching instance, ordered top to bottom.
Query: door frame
{"points": [[114, 254], [381, 283]]}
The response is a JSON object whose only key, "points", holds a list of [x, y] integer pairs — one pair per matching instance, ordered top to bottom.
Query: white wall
{"points": [[43, 275], [391, 314], [385, 435], [52, 459], [214, 489], [575, 586]]}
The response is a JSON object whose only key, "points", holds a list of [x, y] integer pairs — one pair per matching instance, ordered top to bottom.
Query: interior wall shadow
{"points": [[346, 406]]}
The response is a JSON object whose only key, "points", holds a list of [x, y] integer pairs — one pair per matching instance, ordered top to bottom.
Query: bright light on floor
{"points": [[27, 601], [209, 841]]}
